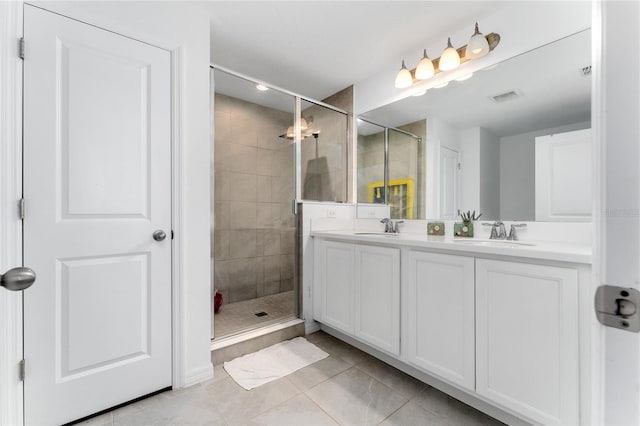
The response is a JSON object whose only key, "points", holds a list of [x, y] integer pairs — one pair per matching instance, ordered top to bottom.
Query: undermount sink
{"points": [[370, 233], [493, 243]]}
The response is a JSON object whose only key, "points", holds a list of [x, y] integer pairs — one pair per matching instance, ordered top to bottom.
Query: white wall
{"points": [[175, 25], [522, 25], [470, 169], [517, 171], [489, 175]]}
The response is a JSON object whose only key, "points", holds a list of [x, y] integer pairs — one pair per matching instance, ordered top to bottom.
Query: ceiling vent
{"points": [[586, 71], [506, 96]]}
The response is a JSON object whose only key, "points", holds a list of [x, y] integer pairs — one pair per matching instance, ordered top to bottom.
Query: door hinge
{"points": [[21, 47], [459, 166], [294, 207], [21, 208], [172, 234], [21, 370]]}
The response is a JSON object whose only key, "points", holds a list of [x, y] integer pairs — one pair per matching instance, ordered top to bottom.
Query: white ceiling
{"points": [[316, 48], [553, 93]]}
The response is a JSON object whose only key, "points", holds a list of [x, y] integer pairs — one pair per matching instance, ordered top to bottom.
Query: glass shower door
{"points": [[254, 231]]}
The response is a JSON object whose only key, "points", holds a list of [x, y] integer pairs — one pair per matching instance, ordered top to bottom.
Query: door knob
{"points": [[159, 235], [17, 279]]}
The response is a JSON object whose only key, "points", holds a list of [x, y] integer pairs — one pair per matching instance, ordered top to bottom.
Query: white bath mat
{"points": [[274, 362]]}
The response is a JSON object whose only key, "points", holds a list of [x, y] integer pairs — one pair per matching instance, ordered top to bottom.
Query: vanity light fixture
{"points": [[479, 45], [450, 58], [404, 78], [261, 87]]}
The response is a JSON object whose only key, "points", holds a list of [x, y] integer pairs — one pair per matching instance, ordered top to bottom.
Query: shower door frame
{"points": [[421, 153], [297, 196]]}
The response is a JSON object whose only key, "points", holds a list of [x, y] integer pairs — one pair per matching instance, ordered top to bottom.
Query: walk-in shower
{"points": [[271, 149]]}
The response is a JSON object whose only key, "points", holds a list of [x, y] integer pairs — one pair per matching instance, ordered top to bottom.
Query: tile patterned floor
{"points": [[240, 316], [347, 388]]}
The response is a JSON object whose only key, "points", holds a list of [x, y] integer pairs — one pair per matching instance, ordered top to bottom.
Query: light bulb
{"points": [[478, 45], [450, 58], [425, 68], [403, 79], [289, 133]]}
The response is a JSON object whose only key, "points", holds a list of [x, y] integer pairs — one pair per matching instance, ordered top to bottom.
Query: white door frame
{"points": [[11, 83], [10, 227]]}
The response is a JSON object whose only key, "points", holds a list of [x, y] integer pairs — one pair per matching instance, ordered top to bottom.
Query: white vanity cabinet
{"points": [[357, 291], [333, 293], [439, 299], [377, 307], [500, 330], [527, 348]]}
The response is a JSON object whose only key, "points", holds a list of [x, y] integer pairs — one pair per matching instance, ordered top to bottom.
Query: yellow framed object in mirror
{"points": [[401, 196]]}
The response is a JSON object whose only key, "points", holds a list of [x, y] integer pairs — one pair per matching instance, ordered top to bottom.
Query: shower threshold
{"points": [[235, 339]]}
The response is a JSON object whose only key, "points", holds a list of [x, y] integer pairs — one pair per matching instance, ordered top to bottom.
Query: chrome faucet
{"points": [[391, 227], [498, 231], [513, 235]]}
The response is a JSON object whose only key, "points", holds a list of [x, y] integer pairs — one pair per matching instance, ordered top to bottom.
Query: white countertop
{"points": [[542, 250]]}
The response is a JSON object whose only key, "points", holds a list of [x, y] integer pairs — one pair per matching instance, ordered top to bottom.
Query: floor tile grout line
{"points": [[366, 374], [278, 405], [395, 411]]}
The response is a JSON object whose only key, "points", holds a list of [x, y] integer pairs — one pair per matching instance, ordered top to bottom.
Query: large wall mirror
{"points": [[511, 141]]}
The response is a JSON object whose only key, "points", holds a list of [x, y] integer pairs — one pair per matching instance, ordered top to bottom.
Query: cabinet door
{"points": [[334, 284], [378, 297], [439, 300], [527, 339]]}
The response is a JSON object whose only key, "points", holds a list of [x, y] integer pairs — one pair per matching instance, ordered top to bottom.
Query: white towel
{"points": [[274, 362]]}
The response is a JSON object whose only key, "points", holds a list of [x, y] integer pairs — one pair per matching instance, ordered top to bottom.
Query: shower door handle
{"points": [[17, 279]]}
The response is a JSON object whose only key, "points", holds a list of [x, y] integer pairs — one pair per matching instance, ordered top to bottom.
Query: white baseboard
{"points": [[311, 326], [198, 375]]}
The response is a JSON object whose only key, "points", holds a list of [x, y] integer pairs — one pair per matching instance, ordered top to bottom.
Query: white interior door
{"points": [[449, 160], [97, 184]]}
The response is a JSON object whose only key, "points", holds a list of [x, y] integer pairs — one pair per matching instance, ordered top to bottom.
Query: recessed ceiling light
{"points": [[465, 77], [440, 86], [262, 87]]}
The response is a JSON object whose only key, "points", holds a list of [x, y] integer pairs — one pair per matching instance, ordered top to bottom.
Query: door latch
{"points": [[618, 307]]}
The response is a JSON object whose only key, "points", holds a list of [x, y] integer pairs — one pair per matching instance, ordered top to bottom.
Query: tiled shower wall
{"points": [[332, 143], [254, 233]]}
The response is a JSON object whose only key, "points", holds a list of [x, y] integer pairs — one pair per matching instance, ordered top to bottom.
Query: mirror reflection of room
{"points": [[510, 141]]}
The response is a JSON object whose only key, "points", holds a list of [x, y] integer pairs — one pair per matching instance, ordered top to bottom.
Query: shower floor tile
{"points": [[240, 316]]}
